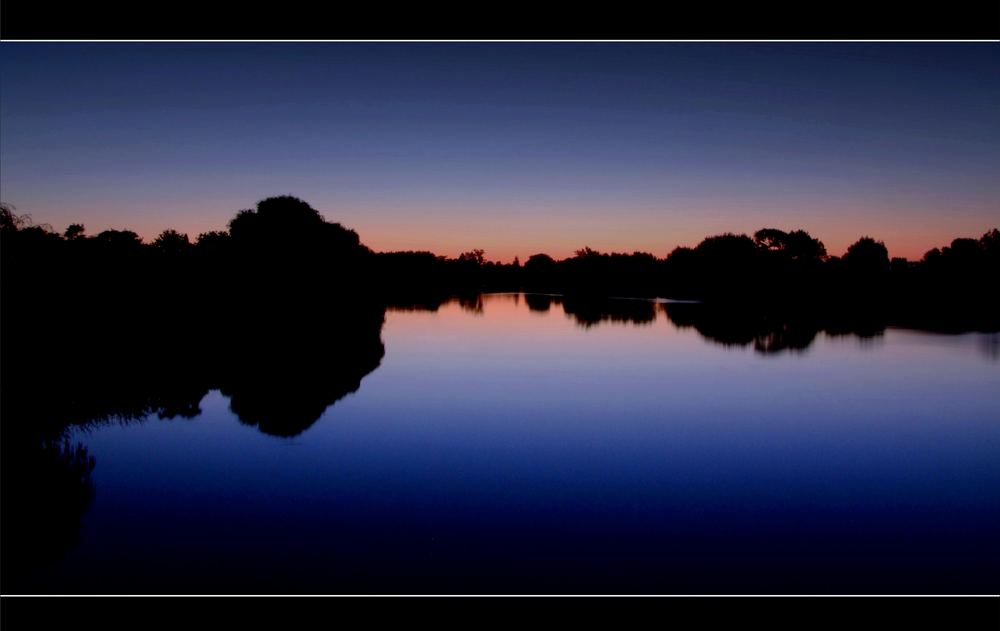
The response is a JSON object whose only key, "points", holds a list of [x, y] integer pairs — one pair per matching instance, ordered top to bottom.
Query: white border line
{"points": [[505, 41], [500, 595]]}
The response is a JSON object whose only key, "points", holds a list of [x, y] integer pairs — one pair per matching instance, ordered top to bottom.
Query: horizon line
{"points": [[144, 238]]}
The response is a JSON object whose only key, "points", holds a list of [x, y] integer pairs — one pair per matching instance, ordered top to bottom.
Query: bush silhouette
{"points": [[867, 256]]}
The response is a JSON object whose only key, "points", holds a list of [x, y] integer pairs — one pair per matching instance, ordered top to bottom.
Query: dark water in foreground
{"points": [[508, 447]]}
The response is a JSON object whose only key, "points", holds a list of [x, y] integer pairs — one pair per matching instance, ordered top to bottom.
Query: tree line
{"points": [[284, 249]]}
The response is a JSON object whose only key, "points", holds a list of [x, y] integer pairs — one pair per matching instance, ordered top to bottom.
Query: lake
{"points": [[514, 443]]}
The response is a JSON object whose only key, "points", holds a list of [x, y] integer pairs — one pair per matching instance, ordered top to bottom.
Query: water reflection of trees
{"points": [[541, 303], [472, 304], [588, 312], [766, 331], [771, 332], [989, 345], [283, 385]]}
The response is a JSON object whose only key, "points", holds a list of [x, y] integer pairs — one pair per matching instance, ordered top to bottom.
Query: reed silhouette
{"points": [[50, 491]]}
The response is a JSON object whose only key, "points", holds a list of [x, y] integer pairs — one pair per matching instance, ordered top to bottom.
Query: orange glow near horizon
{"points": [[559, 232], [560, 235]]}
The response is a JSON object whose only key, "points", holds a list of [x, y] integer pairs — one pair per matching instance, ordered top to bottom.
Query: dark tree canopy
{"points": [[283, 215], [10, 221], [288, 225], [74, 231], [212, 238], [119, 239], [770, 239], [172, 242], [991, 242], [797, 244], [800, 245], [727, 246], [586, 252], [867, 255], [476, 257], [539, 260]]}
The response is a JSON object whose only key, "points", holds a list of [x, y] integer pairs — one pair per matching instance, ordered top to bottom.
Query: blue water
{"points": [[511, 450]]}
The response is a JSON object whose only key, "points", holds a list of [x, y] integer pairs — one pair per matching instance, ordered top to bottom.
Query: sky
{"points": [[515, 148]]}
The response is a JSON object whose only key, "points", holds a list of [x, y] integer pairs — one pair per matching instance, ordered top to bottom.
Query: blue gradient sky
{"points": [[514, 148]]}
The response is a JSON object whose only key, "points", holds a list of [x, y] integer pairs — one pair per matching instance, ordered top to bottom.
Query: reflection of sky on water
{"points": [[499, 448]]}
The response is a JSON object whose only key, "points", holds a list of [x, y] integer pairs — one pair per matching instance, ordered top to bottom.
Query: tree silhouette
{"points": [[10, 221], [287, 224], [74, 231], [119, 239], [172, 242], [797, 245], [801, 245], [867, 255], [475, 257], [539, 261]]}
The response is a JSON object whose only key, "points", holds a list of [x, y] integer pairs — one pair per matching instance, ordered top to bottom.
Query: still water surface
{"points": [[508, 447]]}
